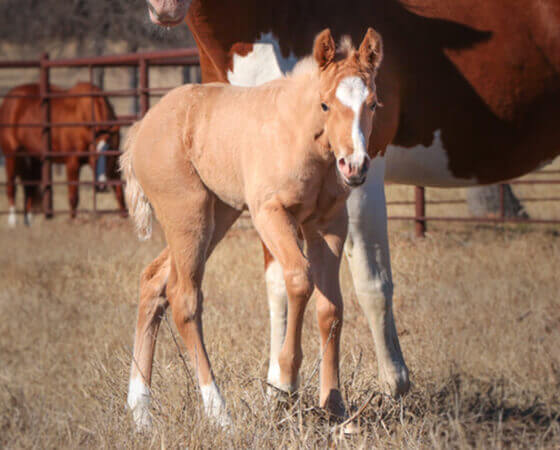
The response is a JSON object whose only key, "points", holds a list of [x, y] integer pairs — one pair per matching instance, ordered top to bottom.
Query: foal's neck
{"points": [[301, 93]]}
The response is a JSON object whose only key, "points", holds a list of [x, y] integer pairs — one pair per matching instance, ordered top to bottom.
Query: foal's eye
{"points": [[373, 106], [324, 107]]}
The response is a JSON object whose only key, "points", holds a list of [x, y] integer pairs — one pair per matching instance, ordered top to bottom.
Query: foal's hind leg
{"points": [[189, 228], [150, 310]]}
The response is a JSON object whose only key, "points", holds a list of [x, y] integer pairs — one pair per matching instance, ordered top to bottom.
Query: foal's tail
{"points": [[138, 204]]}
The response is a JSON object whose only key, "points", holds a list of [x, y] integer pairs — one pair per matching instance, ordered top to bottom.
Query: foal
{"points": [[288, 151]]}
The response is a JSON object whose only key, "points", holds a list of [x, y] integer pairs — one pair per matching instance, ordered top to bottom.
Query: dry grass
{"points": [[478, 313]]}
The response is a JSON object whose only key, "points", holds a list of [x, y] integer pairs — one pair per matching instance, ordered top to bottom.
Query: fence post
{"points": [[144, 84], [46, 165], [502, 203], [420, 205]]}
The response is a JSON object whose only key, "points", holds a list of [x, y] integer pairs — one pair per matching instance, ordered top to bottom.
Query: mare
{"points": [[471, 95], [24, 108], [289, 151]]}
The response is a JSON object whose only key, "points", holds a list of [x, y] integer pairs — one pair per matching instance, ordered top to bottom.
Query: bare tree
{"points": [[88, 22]]}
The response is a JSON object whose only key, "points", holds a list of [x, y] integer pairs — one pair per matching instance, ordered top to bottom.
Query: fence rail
{"points": [[143, 92]]}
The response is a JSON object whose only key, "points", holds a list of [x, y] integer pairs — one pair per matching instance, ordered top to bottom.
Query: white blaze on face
{"points": [[264, 63], [352, 92]]}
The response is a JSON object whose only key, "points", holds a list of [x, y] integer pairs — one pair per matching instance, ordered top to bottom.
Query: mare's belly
{"points": [[421, 165]]}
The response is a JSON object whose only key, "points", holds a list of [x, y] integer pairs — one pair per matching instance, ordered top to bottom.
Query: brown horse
{"points": [[15, 140], [289, 151]]}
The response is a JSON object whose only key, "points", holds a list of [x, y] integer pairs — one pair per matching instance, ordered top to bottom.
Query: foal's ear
{"points": [[324, 48], [371, 50]]}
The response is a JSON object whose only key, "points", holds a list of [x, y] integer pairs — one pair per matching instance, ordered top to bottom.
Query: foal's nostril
{"points": [[341, 163], [365, 166]]}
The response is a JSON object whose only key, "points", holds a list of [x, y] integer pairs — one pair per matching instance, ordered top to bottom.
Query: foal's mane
{"points": [[308, 65]]}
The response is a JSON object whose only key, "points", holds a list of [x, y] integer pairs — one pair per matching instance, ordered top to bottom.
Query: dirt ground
{"points": [[477, 309]]}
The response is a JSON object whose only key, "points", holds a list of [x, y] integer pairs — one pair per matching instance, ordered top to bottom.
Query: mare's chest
{"points": [[261, 62]]}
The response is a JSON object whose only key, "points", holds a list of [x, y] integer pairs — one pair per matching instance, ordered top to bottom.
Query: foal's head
{"points": [[348, 100]]}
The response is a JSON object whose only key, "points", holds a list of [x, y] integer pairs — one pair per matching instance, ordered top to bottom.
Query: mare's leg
{"points": [[10, 163], [72, 176], [279, 233], [367, 250], [325, 252], [151, 307]]}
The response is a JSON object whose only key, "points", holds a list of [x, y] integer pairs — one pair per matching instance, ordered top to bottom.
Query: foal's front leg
{"points": [[278, 231], [325, 251]]}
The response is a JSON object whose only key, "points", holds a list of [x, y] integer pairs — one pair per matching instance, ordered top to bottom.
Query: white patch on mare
{"points": [[264, 63], [352, 92], [424, 166], [12, 218], [278, 304], [139, 402], [214, 404]]}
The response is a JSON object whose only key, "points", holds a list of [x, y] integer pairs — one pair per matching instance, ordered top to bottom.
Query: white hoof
{"points": [[12, 218], [28, 219], [273, 379], [139, 403], [214, 405], [142, 419]]}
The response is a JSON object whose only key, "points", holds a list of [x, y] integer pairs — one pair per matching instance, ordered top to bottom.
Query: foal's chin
{"points": [[353, 182]]}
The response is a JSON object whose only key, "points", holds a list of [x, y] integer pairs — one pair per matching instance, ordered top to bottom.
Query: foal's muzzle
{"points": [[353, 172]]}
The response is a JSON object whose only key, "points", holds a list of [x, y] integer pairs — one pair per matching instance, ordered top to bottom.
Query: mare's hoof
{"points": [[395, 381]]}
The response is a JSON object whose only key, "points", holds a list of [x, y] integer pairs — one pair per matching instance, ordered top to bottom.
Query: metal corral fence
{"points": [[185, 58], [421, 218]]}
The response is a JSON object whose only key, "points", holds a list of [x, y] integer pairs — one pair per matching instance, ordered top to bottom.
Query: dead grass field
{"points": [[477, 309]]}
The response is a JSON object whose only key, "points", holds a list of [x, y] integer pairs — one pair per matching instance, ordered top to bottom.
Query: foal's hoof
{"points": [[280, 396], [142, 419], [223, 420], [349, 428]]}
